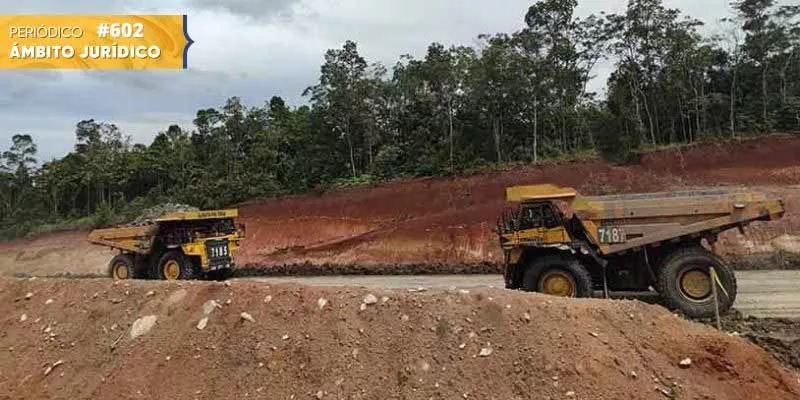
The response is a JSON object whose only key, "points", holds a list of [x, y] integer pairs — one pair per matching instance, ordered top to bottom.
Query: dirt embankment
{"points": [[447, 222], [75, 339]]}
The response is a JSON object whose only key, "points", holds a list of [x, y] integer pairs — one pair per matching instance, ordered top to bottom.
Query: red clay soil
{"points": [[450, 220], [447, 221], [72, 339]]}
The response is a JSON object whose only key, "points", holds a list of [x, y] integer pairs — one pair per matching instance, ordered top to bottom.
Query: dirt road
{"points": [[774, 294]]}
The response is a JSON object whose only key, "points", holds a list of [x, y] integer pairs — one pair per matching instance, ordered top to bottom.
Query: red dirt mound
{"points": [[75, 339]]}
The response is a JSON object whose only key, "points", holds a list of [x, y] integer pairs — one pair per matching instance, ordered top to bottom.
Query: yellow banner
{"points": [[93, 41]]}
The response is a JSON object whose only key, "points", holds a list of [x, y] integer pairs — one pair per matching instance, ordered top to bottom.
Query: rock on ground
{"points": [[370, 299], [210, 306], [247, 317], [142, 325]]}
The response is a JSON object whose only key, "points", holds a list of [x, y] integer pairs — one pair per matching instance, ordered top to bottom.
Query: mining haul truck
{"points": [[558, 242], [180, 245]]}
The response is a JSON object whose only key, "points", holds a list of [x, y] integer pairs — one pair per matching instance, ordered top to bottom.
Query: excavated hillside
{"points": [[445, 224], [71, 339]]}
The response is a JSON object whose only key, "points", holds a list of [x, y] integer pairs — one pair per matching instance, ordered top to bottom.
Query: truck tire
{"points": [[173, 265], [122, 267], [558, 276], [684, 283]]}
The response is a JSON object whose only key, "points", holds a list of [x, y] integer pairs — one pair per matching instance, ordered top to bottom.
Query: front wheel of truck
{"points": [[173, 265], [558, 276], [685, 283]]}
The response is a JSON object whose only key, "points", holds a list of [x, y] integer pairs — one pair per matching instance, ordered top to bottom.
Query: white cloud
{"points": [[247, 8], [251, 49]]}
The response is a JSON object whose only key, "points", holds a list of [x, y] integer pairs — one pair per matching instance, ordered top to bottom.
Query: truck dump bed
{"points": [[644, 219]]}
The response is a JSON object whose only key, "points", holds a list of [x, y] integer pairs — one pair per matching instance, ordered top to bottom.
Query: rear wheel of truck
{"points": [[173, 265], [121, 267], [558, 276], [685, 283]]}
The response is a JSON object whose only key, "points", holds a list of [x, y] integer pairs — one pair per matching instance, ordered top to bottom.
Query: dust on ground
{"points": [[53, 254], [67, 339]]}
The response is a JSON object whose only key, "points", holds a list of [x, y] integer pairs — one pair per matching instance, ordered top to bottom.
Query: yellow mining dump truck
{"points": [[558, 242], [180, 245]]}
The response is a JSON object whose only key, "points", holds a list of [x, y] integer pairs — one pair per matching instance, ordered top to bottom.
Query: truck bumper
{"points": [[219, 267]]}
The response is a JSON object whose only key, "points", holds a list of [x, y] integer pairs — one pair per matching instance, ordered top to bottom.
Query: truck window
{"points": [[539, 216], [531, 217], [549, 217]]}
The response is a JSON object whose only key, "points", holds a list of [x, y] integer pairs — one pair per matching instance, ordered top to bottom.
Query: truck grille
{"points": [[218, 252]]}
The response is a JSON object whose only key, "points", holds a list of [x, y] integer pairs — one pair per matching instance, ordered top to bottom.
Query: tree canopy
{"points": [[516, 97]]}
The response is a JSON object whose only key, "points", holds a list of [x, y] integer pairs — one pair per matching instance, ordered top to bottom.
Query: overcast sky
{"points": [[253, 49]]}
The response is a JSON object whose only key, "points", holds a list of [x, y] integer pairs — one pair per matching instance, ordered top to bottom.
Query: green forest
{"points": [[516, 97]]}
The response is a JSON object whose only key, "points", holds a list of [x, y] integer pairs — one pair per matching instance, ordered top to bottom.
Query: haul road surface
{"points": [[764, 294]]}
